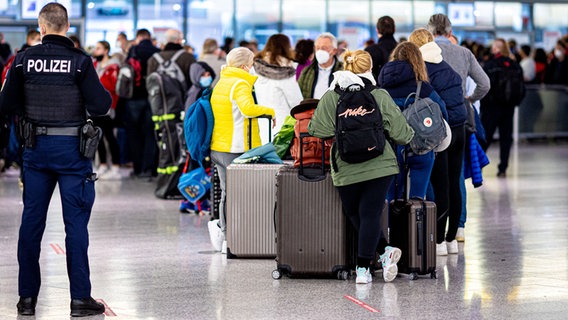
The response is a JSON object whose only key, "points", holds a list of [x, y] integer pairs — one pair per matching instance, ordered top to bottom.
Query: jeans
{"points": [[56, 160], [420, 167]]}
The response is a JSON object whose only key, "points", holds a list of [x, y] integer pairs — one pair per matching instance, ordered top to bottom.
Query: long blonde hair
{"points": [[409, 52], [358, 61]]}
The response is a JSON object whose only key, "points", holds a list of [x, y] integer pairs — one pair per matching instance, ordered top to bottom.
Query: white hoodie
{"points": [[431, 52], [346, 78]]}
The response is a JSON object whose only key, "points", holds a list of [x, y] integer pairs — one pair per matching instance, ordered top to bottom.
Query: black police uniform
{"points": [[54, 85]]}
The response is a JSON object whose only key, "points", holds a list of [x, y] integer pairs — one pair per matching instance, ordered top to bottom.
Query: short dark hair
{"points": [[54, 15], [385, 25], [143, 33], [526, 49]]}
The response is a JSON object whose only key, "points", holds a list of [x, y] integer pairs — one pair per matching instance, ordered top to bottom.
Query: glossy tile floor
{"points": [[148, 261]]}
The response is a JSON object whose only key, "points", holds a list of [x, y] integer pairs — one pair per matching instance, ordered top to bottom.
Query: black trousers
{"points": [[493, 117], [107, 125], [445, 181], [363, 204]]}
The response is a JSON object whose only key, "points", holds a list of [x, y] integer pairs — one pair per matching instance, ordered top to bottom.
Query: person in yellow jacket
{"points": [[234, 110]]}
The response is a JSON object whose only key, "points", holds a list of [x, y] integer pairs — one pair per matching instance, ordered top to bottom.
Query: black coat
{"points": [[380, 52]]}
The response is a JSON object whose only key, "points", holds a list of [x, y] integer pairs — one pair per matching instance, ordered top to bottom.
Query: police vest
{"points": [[53, 98]]}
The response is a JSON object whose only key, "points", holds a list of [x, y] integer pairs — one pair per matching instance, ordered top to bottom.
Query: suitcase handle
{"points": [[269, 128], [313, 176]]}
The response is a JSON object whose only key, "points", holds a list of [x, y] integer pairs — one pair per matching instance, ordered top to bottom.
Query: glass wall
{"points": [[106, 19], [209, 19], [257, 19], [303, 19], [350, 20]]}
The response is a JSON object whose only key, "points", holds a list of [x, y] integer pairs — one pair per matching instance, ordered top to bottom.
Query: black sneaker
{"points": [[26, 306], [86, 307]]}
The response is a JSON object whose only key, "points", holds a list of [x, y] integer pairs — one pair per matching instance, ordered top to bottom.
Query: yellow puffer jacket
{"points": [[232, 104]]}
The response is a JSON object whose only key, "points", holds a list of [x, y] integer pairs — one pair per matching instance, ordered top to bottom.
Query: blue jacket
{"points": [[398, 79], [448, 85], [475, 159]]}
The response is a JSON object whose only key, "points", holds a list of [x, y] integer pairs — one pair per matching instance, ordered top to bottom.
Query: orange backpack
{"points": [[311, 151]]}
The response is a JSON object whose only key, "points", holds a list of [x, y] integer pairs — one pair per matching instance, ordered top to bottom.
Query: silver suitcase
{"points": [[251, 195]]}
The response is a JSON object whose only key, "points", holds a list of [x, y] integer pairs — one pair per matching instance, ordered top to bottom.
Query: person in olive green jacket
{"points": [[363, 186]]}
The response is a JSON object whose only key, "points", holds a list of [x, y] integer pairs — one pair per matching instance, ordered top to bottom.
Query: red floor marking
{"points": [[57, 248], [361, 304], [108, 310]]}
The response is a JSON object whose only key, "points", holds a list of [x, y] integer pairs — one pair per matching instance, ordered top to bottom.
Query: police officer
{"points": [[53, 86]]}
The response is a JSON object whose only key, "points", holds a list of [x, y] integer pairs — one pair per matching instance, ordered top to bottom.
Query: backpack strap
{"points": [[177, 55], [158, 57], [418, 87], [415, 94]]}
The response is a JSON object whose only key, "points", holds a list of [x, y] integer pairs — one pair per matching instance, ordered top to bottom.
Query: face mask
{"points": [[118, 45], [558, 53], [322, 56], [99, 58], [251, 70], [205, 82]]}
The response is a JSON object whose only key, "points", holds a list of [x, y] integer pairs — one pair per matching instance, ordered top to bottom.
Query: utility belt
{"points": [[89, 135]]}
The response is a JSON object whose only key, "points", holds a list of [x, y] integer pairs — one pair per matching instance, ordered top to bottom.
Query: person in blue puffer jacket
{"points": [[399, 78], [447, 166]]}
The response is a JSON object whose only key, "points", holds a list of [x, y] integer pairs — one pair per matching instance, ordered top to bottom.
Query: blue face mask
{"points": [[205, 82]]}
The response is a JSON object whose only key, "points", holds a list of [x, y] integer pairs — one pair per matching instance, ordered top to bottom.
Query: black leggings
{"points": [[445, 181], [363, 204]]}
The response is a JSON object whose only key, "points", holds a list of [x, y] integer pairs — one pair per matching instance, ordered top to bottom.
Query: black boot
{"points": [[26, 306], [86, 307]]}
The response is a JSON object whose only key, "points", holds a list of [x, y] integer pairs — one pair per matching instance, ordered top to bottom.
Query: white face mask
{"points": [[558, 53], [322, 56], [251, 70]]}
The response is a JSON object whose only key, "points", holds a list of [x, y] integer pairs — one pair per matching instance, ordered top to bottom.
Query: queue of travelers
{"points": [[247, 83]]}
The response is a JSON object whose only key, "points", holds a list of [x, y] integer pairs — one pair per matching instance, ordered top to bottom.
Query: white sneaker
{"points": [[102, 169], [112, 174], [215, 235], [460, 235], [452, 246], [224, 247], [441, 249], [389, 260], [363, 276]]}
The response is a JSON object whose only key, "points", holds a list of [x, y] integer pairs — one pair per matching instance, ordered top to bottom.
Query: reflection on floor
{"points": [[148, 261]]}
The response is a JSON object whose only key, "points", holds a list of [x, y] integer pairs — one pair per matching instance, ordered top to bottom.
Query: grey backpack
{"points": [[425, 117]]}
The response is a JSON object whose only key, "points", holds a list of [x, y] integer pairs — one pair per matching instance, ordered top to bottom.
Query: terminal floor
{"points": [[148, 261]]}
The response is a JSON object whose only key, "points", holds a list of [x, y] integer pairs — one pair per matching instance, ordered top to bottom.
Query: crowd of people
{"points": [[248, 82]]}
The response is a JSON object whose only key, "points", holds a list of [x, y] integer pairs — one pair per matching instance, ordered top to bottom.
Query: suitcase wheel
{"points": [[276, 274], [343, 275], [433, 275], [413, 276]]}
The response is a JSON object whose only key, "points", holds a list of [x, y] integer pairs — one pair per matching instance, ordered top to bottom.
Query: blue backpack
{"points": [[198, 127]]}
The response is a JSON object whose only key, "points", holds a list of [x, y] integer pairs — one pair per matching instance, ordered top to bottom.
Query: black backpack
{"points": [[509, 85], [359, 128]]}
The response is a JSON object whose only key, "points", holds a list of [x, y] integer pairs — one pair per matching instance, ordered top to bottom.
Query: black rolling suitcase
{"points": [[412, 229]]}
